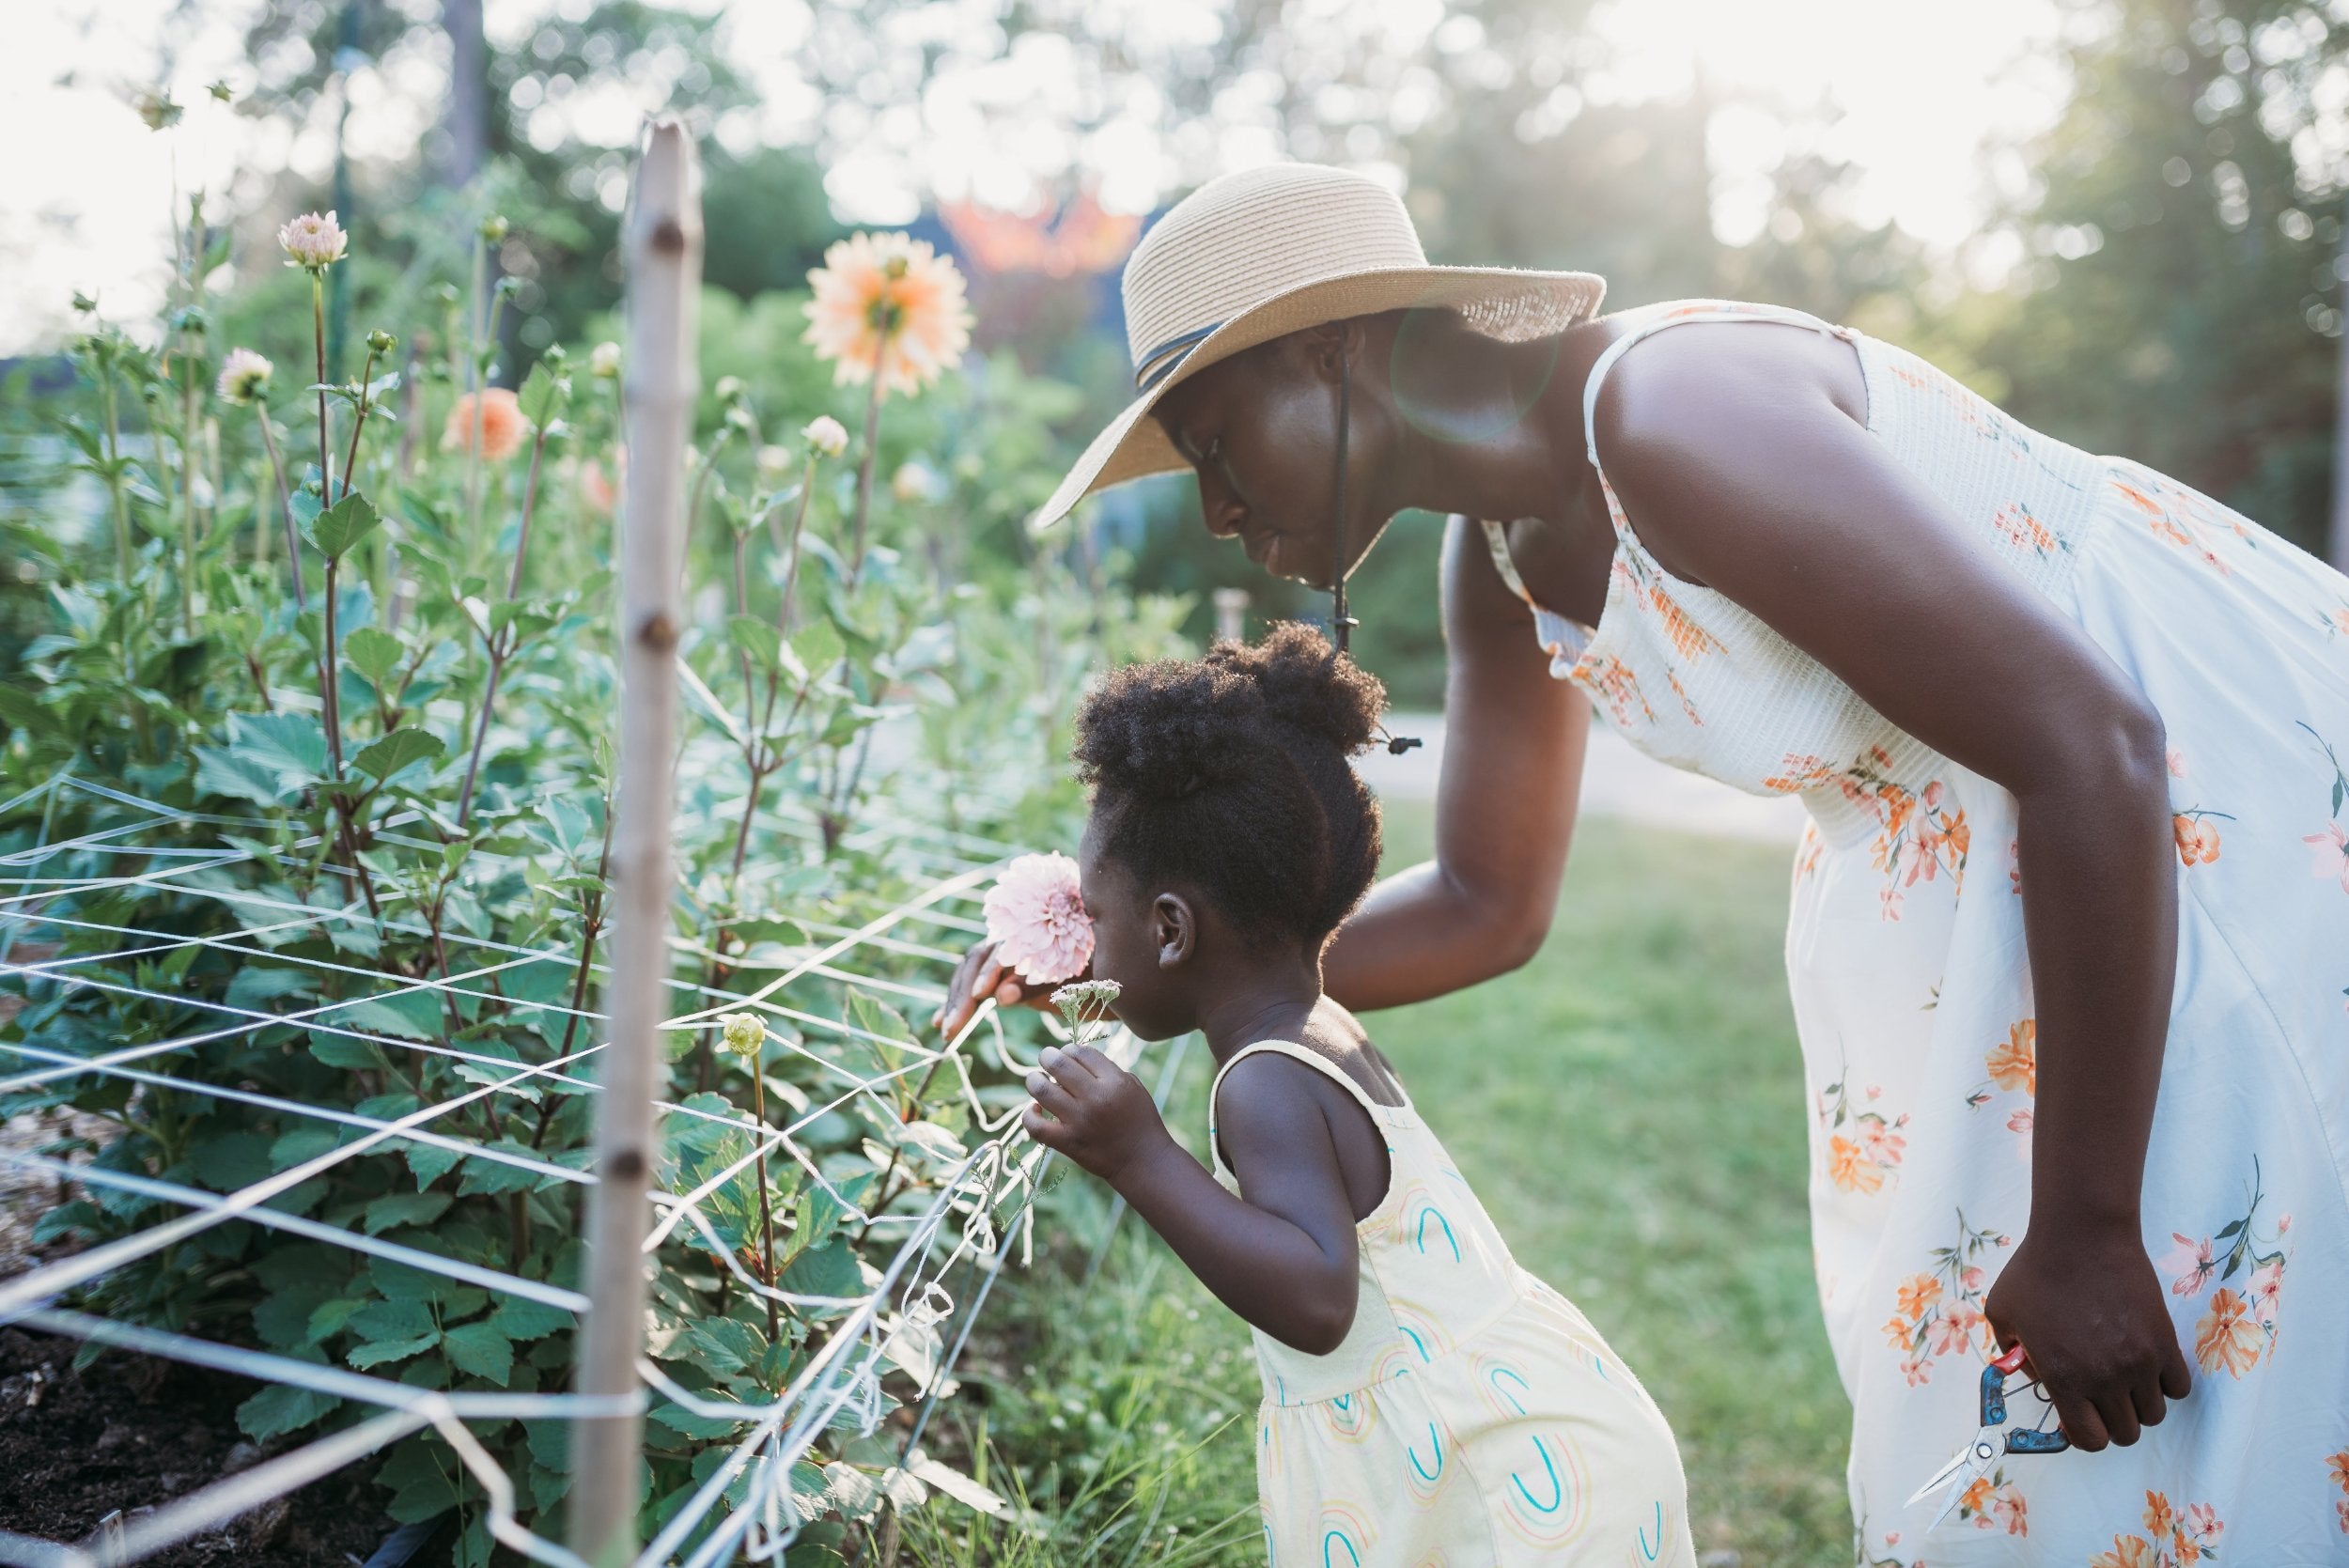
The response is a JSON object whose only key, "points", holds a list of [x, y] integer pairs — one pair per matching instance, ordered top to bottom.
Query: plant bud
{"points": [[493, 229], [382, 342], [603, 361], [745, 1033]]}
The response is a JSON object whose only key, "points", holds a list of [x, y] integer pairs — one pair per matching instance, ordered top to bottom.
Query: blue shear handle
{"points": [[1993, 1396], [2037, 1440]]}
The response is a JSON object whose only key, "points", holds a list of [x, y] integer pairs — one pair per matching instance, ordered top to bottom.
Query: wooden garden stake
{"points": [[663, 248]]}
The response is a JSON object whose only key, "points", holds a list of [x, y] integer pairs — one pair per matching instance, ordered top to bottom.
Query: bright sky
{"points": [[1922, 84]]}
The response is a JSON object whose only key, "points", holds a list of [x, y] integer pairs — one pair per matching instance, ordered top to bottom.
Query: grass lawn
{"points": [[1629, 1108]]}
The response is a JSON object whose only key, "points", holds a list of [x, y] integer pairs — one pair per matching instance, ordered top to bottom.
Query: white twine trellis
{"points": [[896, 1323]]}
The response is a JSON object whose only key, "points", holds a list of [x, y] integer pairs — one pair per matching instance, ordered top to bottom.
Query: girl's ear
{"points": [[1175, 927]]}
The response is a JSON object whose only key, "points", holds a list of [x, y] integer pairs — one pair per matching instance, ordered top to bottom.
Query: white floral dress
{"points": [[1913, 993], [1472, 1418]]}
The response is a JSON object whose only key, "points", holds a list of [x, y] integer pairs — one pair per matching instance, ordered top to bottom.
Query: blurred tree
{"points": [[2184, 304]]}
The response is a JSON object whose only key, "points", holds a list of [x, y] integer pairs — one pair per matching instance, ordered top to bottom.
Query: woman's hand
{"points": [[980, 976], [1100, 1115], [2096, 1332]]}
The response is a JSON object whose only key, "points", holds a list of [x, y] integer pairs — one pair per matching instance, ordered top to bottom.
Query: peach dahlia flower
{"points": [[888, 304]]}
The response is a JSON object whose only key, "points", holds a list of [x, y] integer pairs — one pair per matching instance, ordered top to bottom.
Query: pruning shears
{"points": [[1974, 1461]]}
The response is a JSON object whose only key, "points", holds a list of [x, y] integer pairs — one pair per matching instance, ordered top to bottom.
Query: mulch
{"points": [[130, 1432]]}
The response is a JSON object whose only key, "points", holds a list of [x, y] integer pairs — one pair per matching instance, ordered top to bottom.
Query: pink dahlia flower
{"points": [[1036, 918]]}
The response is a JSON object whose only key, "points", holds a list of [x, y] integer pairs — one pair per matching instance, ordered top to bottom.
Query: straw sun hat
{"points": [[1257, 254]]}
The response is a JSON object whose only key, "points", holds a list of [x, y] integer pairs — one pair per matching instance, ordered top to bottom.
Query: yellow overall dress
{"points": [[1472, 1417]]}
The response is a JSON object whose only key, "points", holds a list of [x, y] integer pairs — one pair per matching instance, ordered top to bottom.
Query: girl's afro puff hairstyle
{"points": [[1229, 772]]}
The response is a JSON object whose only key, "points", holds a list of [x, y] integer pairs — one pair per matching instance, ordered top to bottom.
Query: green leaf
{"points": [[543, 394], [342, 525], [759, 639], [819, 646], [374, 654], [287, 748], [401, 749], [224, 773], [257, 984], [409, 1014], [341, 1050], [430, 1163], [493, 1175], [405, 1208], [64, 1219], [827, 1270], [332, 1317], [392, 1318], [520, 1318], [724, 1346], [480, 1349], [376, 1352], [281, 1408], [421, 1481]]}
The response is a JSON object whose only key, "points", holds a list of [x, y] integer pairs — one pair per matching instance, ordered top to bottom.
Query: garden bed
{"points": [[130, 1434]]}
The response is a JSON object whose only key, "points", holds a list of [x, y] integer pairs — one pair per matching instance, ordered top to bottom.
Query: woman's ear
{"points": [[1328, 344], [1174, 926]]}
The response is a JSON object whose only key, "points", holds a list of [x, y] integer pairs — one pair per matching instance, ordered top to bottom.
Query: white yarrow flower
{"points": [[315, 241], [603, 361], [243, 376], [827, 435]]}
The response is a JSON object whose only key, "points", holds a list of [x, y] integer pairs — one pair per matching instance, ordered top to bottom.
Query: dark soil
{"points": [[131, 1433]]}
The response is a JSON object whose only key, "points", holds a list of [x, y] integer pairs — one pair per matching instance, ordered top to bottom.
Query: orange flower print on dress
{"points": [[2166, 525], [2020, 529], [1692, 639], [1619, 689], [2197, 836], [2015, 1064], [1863, 1146], [1849, 1167], [1939, 1312], [2238, 1330], [2227, 1338], [2339, 1464], [1991, 1502], [2173, 1538]]}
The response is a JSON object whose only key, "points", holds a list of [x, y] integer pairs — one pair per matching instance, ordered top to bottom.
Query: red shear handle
{"points": [[2011, 1361]]}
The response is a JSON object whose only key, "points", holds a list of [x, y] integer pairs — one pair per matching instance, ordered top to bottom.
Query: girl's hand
{"points": [[980, 976], [1100, 1115], [2096, 1330]]}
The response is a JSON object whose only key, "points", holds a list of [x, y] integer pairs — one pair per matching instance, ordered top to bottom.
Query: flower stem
{"points": [[351, 458], [326, 459], [188, 467], [113, 476], [865, 477], [284, 506], [792, 552], [500, 649], [330, 664], [766, 1210]]}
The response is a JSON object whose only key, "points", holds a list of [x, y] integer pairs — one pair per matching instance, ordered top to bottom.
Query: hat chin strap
{"points": [[1340, 621]]}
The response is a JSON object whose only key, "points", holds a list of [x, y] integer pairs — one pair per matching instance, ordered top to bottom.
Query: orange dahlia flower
{"points": [[888, 305], [502, 425]]}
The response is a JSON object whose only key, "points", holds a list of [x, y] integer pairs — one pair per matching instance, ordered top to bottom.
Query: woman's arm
{"points": [[1738, 470], [1505, 808], [1283, 1258]]}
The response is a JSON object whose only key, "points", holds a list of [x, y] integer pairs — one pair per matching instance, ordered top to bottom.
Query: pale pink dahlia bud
{"points": [[315, 241], [243, 376], [827, 435], [1036, 918]]}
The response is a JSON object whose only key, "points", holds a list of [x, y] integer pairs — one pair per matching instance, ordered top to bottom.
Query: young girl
{"points": [[1426, 1399]]}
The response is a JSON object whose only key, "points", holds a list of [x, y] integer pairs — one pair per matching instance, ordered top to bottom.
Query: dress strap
{"points": [[1681, 314], [1497, 540], [1560, 636], [1298, 1053]]}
